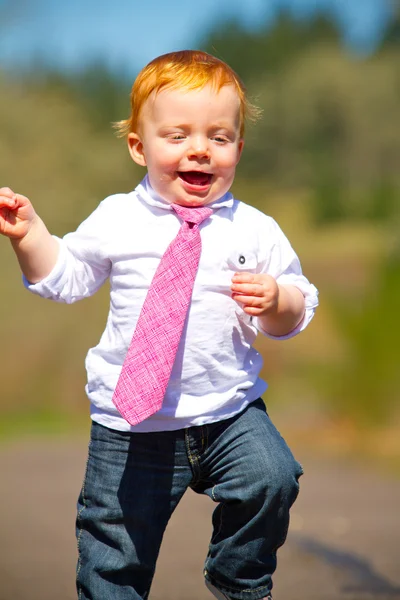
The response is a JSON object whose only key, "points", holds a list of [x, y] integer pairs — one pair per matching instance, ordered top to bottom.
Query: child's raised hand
{"points": [[16, 214], [258, 293]]}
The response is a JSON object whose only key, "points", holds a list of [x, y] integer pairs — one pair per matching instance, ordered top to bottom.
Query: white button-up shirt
{"points": [[216, 371]]}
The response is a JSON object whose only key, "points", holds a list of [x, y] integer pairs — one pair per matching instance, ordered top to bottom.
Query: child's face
{"points": [[190, 143]]}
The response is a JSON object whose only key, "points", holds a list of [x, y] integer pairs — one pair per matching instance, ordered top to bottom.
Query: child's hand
{"points": [[16, 214], [259, 293]]}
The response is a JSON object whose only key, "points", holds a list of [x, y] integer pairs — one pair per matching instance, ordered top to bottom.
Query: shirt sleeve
{"points": [[283, 264], [82, 266]]}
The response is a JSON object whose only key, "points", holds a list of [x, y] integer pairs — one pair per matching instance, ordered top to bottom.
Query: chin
{"points": [[195, 202], [190, 204]]}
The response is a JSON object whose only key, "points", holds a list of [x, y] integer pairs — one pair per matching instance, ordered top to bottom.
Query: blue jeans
{"points": [[133, 483]]}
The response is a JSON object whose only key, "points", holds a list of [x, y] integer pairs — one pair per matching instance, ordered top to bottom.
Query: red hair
{"points": [[188, 69]]}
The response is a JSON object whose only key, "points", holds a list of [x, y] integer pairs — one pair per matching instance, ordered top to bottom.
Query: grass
{"points": [[41, 422]]}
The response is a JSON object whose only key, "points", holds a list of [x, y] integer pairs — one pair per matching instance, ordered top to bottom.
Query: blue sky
{"points": [[126, 34]]}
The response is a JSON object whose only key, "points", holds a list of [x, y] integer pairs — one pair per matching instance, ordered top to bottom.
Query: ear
{"points": [[240, 148], [136, 149]]}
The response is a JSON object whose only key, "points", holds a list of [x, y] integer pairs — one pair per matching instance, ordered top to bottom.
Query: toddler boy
{"points": [[194, 275]]}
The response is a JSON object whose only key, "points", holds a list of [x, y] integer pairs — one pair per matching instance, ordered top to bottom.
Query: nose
{"points": [[199, 148]]}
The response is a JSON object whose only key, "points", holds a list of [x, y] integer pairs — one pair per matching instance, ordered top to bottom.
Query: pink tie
{"points": [[148, 364]]}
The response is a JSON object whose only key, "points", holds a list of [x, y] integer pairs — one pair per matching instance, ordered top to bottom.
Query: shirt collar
{"points": [[146, 193]]}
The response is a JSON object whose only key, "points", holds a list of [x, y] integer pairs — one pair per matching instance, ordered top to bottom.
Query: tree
{"points": [[271, 48]]}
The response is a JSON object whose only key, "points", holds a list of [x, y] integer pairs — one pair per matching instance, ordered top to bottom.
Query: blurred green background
{"points": [[323, 160]]}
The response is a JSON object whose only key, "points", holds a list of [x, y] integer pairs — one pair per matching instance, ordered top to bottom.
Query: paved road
{"points": [[344, 540]]}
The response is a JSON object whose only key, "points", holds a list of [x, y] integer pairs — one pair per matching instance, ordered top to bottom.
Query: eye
{"points": [[176, 136], [220, 139]]}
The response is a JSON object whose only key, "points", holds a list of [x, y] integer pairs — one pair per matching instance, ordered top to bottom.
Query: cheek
{"points": [[161, 156], [168, 160], [228, 161], [164, 167], [228, 170]]}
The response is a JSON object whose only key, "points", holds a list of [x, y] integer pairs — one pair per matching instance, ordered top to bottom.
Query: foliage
{"points": [[392, 35], [268, 50], [102, 94], [329, 121], [363, 384]]}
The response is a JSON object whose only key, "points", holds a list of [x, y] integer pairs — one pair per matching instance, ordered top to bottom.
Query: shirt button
{"points": [[242, 259]]}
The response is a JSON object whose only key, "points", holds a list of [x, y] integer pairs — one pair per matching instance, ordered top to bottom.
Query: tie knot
{"points": [[195, 215]]}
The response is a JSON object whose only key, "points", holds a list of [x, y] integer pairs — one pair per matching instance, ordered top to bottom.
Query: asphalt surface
{"points": [[344, 540]]}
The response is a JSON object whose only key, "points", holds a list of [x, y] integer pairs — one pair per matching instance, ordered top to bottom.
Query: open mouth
{"points": [[195, 177]]}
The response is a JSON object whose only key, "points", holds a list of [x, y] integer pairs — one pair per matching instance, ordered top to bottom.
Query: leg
{"points": [[250, 472], [132, 484]]}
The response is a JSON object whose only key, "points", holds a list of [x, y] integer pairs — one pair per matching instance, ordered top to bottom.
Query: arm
{"points": [[35, 248], [63, 270], [279, 308]]}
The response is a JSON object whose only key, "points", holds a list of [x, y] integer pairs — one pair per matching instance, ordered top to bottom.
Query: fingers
{"points": [[6, 191], [11, 200], [8, 201], [245, 277], [247, 283], [253, 284], [250, 289], [256, 292], [254, 301], [251, 305], [255, 305], [253, 311]]}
